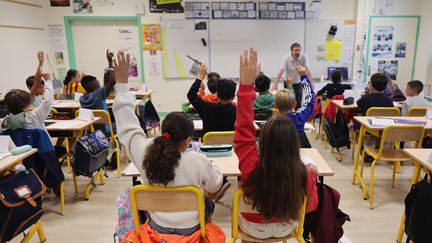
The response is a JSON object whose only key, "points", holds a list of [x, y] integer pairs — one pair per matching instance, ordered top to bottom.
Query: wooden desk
{"points": [[142, 93], [339, 104], [75, 105], [376, 131], [419, 157], [11, 160], [229, 165]]}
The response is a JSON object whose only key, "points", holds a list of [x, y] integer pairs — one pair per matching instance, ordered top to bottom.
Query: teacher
{"points": [[289, 68]]}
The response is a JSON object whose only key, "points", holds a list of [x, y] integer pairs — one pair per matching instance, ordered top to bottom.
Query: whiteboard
{"points": [[405, 29], [316, 35], [181, 38], [271, 38], [90, 52]]}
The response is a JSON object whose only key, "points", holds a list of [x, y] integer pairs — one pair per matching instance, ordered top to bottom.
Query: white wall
{"points": [[18, 47], [423, 68], [172, 92]]}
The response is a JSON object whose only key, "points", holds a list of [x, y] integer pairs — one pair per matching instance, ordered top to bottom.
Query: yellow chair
{"points": [[383, 111], [417, 111], [320, 132], [393, 134], [218, 138], [160, 199], [239, 205], [37, 227]]}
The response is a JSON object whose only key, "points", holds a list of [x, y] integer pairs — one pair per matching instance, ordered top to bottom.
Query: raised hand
{"points": [[110, 56], [41, 58], [121, 66], [248, 67], [301, 70], [202, 72], [46, 76]]}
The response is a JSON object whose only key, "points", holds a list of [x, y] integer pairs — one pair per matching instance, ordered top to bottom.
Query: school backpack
{"points": [[262, 114], [148, 116], [342, 126], [336, 137], [90, 153], [20, 203], [418, 212]]}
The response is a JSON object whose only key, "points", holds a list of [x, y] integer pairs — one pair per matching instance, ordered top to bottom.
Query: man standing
{"points": [[289, 68]]}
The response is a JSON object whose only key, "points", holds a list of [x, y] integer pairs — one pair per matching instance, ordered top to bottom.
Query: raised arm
{"points": [[38, 74], [109, 75], [192, 95], [307, 107], [129, 131], [244, 137]]}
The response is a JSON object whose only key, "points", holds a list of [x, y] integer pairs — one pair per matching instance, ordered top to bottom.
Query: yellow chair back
{"points": [[383, 111], [417, 111], [218, 138], [167, 199]]}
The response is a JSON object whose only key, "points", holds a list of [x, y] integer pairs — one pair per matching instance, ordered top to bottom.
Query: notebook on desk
{"points": [[383, 122]]}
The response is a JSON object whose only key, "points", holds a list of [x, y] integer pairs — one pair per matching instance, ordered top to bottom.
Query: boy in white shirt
{"points": [[412, 91]]}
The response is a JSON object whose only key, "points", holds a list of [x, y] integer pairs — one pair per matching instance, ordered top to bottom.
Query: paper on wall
{"points": [[333, 49]]}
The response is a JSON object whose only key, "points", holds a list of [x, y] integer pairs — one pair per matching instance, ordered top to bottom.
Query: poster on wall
{"points": [[60, 3], [104, 3], [82, 6], [55, 30], [151, 34], [126, 39], [382, 41], [400, 49], [59, 57], [389, 68], [133, 71]]}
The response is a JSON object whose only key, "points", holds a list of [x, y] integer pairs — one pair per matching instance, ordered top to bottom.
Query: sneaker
{"points": [[219, 194]]}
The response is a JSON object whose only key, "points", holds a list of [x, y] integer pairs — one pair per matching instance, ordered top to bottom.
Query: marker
{"points": [[193, 59]]}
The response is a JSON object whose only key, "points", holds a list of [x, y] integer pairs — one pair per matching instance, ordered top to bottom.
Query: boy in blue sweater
{"points": [[285, 102]]}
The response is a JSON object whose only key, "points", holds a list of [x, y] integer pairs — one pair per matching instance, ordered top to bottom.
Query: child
{"points": [[212, 81], [72, 82], [37, 88], [335, 88], [391, 90], [412, 91], [376, 98], [265, 99], [285, 102], [19, 104], [215, 116], [218, 116], [165, 160], [273, 174]]}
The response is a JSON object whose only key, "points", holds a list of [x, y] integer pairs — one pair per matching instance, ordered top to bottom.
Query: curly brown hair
{"points": [[162, 156]]}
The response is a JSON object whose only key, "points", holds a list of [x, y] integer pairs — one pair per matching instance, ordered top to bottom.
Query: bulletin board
{"points": [[179, 39], [392, 47]]}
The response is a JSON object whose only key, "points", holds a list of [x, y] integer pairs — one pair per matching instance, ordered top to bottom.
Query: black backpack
{"points": [[335, 136], [90, 153], [20, 203], [418, 212]]}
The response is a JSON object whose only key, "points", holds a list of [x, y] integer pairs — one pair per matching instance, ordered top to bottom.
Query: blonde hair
{"points": [[284, 101]]}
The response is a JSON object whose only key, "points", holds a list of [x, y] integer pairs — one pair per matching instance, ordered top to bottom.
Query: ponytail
{"points": [[70, 74], [163, 155]]}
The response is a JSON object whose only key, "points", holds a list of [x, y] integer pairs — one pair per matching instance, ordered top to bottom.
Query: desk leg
{"points": [[359, 145], [415, 178]]}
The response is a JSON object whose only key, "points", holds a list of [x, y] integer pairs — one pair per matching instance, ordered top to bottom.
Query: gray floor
{"points": [[95, 220]]}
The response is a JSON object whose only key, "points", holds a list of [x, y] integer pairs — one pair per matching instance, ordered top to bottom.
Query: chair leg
{"points": [[353, 143], [339, 155], [118, 156], [398, 167], [101, 177], [372, 181], [75, 182], [88, 190], [62, 198], [37, 227], [401, 229]]}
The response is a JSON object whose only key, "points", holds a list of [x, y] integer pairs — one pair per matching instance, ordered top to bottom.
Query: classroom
{"points": [[216, 121]]}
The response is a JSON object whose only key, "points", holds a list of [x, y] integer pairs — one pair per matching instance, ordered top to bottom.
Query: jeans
{"points": [[209, 209]]}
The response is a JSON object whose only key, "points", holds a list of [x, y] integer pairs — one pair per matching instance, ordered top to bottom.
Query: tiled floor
{"points": [[95, 220]]}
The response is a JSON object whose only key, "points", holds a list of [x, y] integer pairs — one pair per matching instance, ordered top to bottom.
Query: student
{"points": [[71, 83], [212, 86], [37, 88], [335, 88], [391, 90], [412, 91], [376, 97], [265, 99], [285, 102], [19, 104], [215, 116], [218, 116], [164, 161], [275, 173]]}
